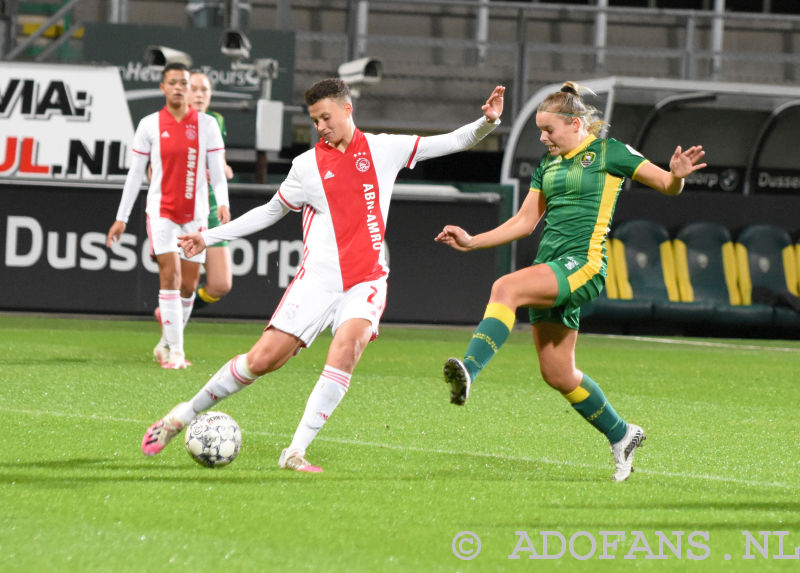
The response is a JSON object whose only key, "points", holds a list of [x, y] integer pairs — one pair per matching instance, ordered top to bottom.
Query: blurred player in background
{"points": [[180, 144], [342, 187], [575, 187], [219, 276]]}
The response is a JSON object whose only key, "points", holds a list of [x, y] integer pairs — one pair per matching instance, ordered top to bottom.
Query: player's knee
{"points": [[170, 282], [188, 284], [219, 286], [499, 287], [504, 291], [262, 360], [257, 365], [558, 378]]}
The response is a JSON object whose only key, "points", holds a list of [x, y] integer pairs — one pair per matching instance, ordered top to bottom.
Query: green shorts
{"points": [[213, 219], [567, 308]]}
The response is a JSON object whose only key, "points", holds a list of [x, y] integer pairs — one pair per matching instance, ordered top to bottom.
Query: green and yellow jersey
{"points": [[580, 191]]}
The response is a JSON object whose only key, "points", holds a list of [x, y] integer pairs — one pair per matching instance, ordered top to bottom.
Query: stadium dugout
{"points": [[748, 131]]}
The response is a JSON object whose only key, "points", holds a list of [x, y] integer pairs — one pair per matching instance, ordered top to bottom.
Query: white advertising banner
{"points": [[63, 122]]}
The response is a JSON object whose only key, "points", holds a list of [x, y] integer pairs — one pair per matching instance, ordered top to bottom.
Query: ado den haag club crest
{"points": [[588, 158]]}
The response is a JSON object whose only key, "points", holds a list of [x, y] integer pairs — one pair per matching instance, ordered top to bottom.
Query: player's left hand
{"points": [[493, 108], [683, 163], [223, 214], [192, 244]]}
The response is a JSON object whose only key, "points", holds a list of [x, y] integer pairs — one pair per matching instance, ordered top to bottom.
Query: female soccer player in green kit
{"points": [[575, 187]]}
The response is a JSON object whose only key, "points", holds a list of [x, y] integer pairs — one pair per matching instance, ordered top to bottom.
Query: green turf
{"points": [[404, 470]]}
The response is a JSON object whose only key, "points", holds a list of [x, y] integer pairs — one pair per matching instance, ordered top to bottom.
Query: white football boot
{"points": [[623, 451]]}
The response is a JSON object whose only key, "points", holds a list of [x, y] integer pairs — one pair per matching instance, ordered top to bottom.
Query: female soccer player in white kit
{"points": [[179, 143], [343, 187]]}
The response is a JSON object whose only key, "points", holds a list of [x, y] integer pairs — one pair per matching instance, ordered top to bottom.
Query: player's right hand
{"points": [[114, 233], [455, 237], [192, 244]]}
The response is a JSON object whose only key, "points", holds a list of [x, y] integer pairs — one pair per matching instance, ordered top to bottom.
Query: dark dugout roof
{"points": [[744, 128]]}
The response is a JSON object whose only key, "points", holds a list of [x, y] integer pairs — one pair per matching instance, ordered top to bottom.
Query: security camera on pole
{"points": [[159, 56], [359, 72], [269, 113]]}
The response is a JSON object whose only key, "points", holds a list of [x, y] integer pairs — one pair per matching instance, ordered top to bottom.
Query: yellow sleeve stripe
{"points": [[635, 171], [502, 313]]}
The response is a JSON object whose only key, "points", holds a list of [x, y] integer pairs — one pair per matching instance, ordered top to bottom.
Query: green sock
{"points": [[492, 332], [590, 402]]}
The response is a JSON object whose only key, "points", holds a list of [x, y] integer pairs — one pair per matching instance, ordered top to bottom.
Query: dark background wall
{"points": [[53, 257]]}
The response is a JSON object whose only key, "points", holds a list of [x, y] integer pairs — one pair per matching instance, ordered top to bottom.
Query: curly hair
{"points": [[332, 88]]}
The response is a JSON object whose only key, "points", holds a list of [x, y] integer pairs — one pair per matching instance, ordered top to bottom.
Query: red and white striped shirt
{"points": [[178, 153], [344, 198]]}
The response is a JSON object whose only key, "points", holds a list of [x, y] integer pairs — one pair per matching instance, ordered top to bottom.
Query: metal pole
{"points": [[118, 11], [113, 12], [233, 15], [284, 15], [362, 15], [352, 24], [8, 26], [482, 31], [717, 33], [601, 34], [688, 54], [521, 75]]}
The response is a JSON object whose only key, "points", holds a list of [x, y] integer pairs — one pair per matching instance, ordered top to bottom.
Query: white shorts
{"points": [[163, 234], [307, 307]]}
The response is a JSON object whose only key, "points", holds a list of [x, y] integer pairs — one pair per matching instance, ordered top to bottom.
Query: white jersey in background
{"points": [[179, 153]]}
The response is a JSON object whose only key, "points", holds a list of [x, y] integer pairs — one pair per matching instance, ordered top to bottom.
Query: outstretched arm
{"points": [[466, 136], [681, 164], [254, 220], [519, 225]]}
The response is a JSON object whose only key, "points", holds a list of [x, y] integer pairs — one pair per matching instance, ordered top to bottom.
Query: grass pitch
{"points": [[716, 487]]}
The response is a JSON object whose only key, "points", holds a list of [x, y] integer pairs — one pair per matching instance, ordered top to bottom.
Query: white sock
{"points": [[169, 302], [188, 304], [163, 340], [229, 379], [328, 392]]}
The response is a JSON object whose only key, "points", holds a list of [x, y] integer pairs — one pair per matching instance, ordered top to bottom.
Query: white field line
{"points": [[702, 343], [439, 451]]}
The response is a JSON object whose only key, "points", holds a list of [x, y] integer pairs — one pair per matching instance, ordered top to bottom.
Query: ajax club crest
{"points": [[362, 162]]}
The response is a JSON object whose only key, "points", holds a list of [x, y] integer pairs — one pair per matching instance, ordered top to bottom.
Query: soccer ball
{"points": [[213, 439]]}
